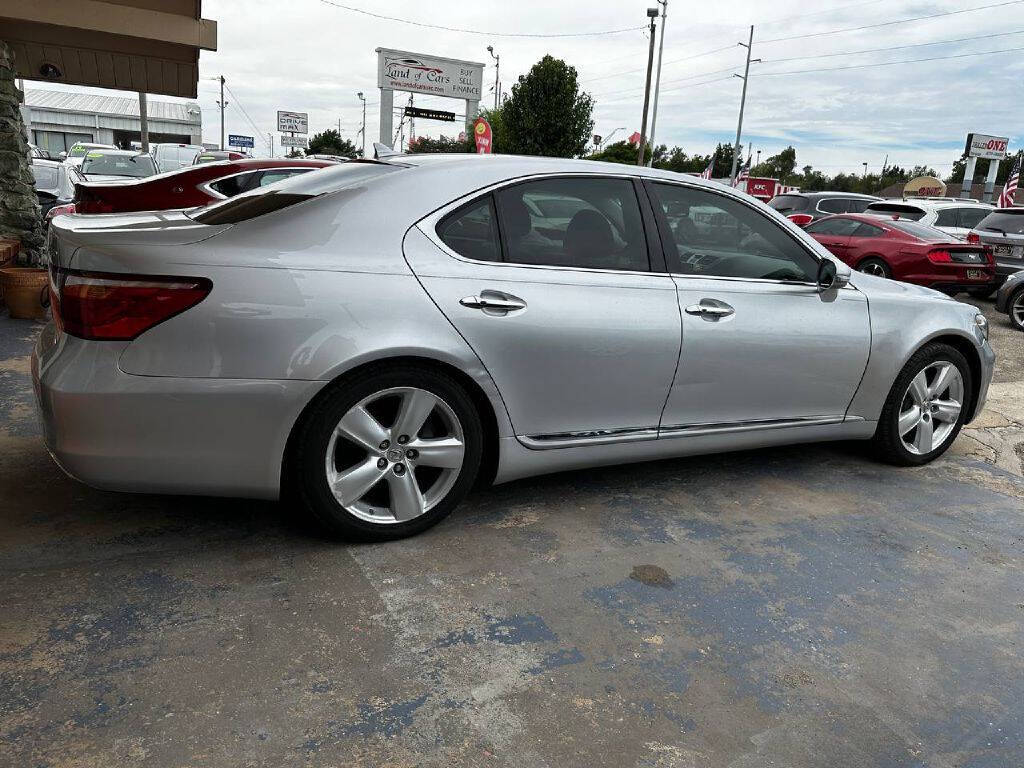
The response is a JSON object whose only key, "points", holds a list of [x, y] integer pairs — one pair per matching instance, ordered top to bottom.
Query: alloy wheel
{"points": [[872, 268], [1017, 309], [931, 407], [394, 455]]}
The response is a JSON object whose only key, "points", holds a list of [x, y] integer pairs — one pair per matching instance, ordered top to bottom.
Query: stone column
{"points": [[19, 207]]}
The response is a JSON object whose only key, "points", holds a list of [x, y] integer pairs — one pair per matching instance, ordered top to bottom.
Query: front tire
{"points": [[875, 266], [1015, 309], [926, 407], [387, 454]]}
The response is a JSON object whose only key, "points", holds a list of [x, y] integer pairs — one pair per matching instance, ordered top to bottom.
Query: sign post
{"points": [[423, 73], [984, 147]]}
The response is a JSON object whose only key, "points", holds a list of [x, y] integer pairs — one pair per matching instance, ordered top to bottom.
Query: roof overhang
{"points": [[123, 44]]}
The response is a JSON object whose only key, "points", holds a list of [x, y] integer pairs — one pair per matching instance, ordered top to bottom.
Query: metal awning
{"points": [[150, 46]]}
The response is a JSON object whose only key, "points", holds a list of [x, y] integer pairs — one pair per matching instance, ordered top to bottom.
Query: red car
{"points": [[187, 187], [905, 250]]}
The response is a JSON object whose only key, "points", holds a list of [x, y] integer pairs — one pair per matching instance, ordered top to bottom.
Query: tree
{"points": [[547, 114], [329, 142], [444, 144], [294, 152], [620, 152], [677, 160], [723, 161], [778, 166], [922, 170]]}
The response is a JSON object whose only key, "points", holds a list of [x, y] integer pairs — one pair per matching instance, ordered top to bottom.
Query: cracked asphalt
{"points": [[796, 607]]}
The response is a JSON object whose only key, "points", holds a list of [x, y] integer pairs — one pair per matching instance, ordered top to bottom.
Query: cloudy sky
{"points": [[810, 91]]}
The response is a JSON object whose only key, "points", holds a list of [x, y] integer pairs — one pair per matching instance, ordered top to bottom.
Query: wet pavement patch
{"points": [[652, 576]]}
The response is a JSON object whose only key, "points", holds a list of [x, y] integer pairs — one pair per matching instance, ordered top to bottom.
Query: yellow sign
{"points": [[924, 186]]}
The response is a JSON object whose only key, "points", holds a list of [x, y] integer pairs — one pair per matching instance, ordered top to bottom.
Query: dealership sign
{"points": [[407, 71], [430, 114], [292, 122], [234, 140], [294, 141], [986, 147], [924, 186]]}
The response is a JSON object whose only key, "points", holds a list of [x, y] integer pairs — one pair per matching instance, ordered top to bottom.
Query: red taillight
{"points": [[60, 210], [800, 219], [974, 238], [940, 257], [103, 306]]}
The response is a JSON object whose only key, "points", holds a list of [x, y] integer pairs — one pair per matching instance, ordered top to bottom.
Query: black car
{"points": [[55, 183], [804, 207]]}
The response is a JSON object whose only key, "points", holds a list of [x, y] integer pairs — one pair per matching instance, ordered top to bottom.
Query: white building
{"points": [[57, 119]]}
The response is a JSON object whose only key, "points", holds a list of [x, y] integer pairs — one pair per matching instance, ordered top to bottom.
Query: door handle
{"points": [[501, 302], [707, 309]]}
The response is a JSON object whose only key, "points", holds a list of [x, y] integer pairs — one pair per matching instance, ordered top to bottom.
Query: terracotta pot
{"points": [[23, 290]]}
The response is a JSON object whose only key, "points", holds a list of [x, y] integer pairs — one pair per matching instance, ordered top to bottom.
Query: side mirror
{"points": [[63, 155], [832, 276]]}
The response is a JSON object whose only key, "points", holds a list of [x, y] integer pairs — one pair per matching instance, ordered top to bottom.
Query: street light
{"points": [[497, 69], [363, 129], [865, 169]]}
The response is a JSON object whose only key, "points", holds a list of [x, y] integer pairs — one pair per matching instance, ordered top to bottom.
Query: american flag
{"points": [[706, 173], [744, 174], [1010, 188]]}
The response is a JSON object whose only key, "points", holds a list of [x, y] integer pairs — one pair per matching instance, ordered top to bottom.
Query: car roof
{"points": [[122, 152]]}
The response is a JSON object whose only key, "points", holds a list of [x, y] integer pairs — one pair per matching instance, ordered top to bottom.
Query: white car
{"points": [[78, 151], [171, 157], [954, 217]]}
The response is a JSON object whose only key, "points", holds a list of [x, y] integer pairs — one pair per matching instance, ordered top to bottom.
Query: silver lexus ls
{"points": [[374, 338]]}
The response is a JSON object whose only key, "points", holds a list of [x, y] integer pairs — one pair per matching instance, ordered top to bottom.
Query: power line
{"points": [[817, 13], [383, 17], [890, 23], [895, 47], [672, 61], [889, 63], [667, 82], [670, 90]]}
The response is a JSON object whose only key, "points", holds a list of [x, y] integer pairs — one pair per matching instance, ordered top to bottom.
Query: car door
{"points": [[863, 241], [576, 327], [762, 346]]}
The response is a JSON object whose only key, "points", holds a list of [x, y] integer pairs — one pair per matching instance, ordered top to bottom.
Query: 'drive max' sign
{"points": [[407, 71]]}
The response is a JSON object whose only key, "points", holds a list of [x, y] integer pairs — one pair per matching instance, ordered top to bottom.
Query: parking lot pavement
{"points": [[795, 607]]}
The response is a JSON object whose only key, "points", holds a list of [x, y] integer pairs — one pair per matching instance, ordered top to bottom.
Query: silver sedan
{"points": [[373, 339]]}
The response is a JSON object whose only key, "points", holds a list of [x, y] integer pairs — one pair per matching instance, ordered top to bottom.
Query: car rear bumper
{"points": [[153, 434]]}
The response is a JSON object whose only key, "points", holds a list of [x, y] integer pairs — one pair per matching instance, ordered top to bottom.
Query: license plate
{"points": [[1008, 252], [976, 274]]}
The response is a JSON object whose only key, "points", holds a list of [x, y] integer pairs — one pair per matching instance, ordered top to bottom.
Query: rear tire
{"points": [[875, 266], [1015, 308], [926, 407], [386, 454]]}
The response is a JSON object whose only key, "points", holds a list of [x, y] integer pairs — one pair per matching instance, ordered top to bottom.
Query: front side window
{"points": [[586, 222], [833, 226], [472, 230], [716, 235]]}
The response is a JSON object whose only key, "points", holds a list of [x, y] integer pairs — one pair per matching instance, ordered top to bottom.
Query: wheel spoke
{"points": [[943, 379], [919, 389], [416, 407], [948, 410], [909, 419], [360, 427], [923, 438], [446, 452], [351, 485], [406, 499]]}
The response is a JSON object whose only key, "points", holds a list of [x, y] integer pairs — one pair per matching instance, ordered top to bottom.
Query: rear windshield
{"points": [[103, 164], [282, 194], [788, 203], [911, 212], [1003, 221], [920, 231]]}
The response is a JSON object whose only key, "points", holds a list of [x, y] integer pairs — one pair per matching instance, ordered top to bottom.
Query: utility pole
{"points": [[652, 14], [497, 70], [657, 79], [362, 98], [743, 101], [222, 104], [143, 123]]}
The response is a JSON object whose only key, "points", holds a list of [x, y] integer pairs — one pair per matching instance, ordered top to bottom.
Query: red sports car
{"points": [[187, 187], [907, 251]]}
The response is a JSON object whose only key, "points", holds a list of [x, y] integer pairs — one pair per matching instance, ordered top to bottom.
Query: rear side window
{"points": [[234, 185], [789, 203], [832, 205], [857, 206], [970, 217], [1001, 221], [472, 230], [868, 230], [921, 231]]}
